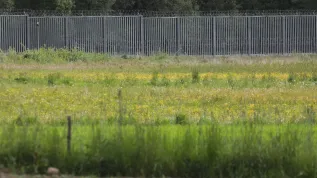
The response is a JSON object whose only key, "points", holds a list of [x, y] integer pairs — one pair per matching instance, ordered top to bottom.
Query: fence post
{"points": [[28, 32], [66, 32], [104, 33], [38, 34], [142, 34], [284, 34], [316, 34], [213, 35], [249, 35], [177, 36], [203, 36], [1, 41], [120, 106], [69, 134]]}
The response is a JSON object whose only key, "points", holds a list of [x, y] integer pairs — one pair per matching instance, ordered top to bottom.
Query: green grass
{"points": [[181, 116], [177, 151]]}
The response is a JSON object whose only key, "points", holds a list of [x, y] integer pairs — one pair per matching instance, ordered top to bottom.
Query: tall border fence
{"points": [[175, 35]]}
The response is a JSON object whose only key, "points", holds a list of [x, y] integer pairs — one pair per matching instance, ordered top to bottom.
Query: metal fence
{"points": [[183, 35]]}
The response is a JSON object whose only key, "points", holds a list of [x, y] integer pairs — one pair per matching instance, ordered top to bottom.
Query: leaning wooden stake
{"points": [[69, 133]]}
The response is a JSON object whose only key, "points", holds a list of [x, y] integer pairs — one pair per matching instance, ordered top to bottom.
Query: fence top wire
{"points": [[145, 13]]}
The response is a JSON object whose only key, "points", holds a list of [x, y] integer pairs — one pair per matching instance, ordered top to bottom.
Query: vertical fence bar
{"points": [[1, 28], [66, 32], [268, 32], [4, 33], [28, 33], [38, 34], [104, 34], [142, 34], [284, 34], [177, 35], [204, 36], [214, 36], [249, 36], [16, 37], [12, 41], [2, 45], [301, 46], [120, 48], [315, 50]]}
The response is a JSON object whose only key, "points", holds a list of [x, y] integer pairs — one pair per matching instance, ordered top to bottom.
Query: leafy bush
{"points": [[53, 78], [291, 78], [181, 119]]}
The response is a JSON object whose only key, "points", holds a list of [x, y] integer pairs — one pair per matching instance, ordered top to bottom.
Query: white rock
{"points": [[52, 171]]}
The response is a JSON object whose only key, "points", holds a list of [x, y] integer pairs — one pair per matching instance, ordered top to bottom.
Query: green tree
{"points": [[7, 4], [35, 4], [47, 4], [94, 4], [249, 4], [269, 4], [306, 4], [64, 5], [127, 5], [166, 5], [207, 5]]}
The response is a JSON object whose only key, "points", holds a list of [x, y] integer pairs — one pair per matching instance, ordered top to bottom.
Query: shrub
{"points": [[22, 78], [53, 78], [291, 78], [165, 81], [181, 119]]}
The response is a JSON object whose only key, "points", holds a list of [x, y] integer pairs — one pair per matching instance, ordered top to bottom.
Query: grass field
{"points": [[181, 116]]}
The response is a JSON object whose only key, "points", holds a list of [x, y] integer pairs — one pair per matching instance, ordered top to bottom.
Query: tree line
{"points": [[160, 5]]}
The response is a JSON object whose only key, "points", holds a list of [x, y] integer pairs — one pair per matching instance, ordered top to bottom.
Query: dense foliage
{"points": [[160, 5]]}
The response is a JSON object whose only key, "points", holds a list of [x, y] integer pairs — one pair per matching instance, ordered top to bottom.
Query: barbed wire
{"points": [[146, 13]]}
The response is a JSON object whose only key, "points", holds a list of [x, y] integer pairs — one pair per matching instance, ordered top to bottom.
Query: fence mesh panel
{"points": [[48, 31], [13, 32], [183, 35]]}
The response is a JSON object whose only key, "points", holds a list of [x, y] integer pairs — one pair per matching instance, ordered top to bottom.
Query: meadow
{"points": [[154, 116]]}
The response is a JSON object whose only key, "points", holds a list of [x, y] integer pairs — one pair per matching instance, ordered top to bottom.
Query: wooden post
{"points": [[120, 106], [69, 133]]}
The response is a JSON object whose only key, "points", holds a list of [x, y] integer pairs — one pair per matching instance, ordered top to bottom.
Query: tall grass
{"points": [[51, 56], [179, 151]]}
